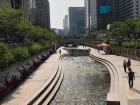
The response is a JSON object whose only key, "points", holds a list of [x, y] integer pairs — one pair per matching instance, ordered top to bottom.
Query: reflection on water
{"points": [[86, 82]]}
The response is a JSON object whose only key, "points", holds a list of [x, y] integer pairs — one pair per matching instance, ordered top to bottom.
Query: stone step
{"points": [[47, 90], [54, 91], [38, 93], [113, 95]]}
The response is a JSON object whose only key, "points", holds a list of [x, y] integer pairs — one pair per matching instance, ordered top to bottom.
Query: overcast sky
{"points": [[59, 8]]}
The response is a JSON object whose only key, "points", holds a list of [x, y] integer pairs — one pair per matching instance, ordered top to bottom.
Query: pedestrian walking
{"points": [[98, 49], [89, 50], [60, 52], [128, 63], [124, 65], [131, 77]]}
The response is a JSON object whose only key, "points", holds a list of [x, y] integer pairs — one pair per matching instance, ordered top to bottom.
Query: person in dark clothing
{"points": [[98, 49], [60, 52], [128, 63], [124, 65], [131, 77]]}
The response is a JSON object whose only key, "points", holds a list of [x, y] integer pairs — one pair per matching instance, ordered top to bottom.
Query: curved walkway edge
{"points": [[48, 76], [119, 93]]}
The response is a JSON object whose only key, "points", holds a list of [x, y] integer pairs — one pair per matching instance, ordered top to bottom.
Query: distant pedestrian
{"points": [[98, 49], [89, 50], [60, 52], [128, 63], [124, 65], [131, 77]]}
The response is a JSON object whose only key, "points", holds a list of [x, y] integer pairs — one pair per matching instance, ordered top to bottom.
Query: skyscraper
{"points": [[5, 3], [129, 9], [43, 13], [98, 14], [87, 16], [76, 22], [66, 25]]}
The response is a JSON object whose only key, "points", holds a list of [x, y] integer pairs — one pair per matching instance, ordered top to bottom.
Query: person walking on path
{"points": [[98, 49], [60, 52], [128, 63], [124, 65], [131, 77]]}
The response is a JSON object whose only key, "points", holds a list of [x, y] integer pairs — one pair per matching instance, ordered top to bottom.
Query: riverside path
{"points": [[44, 72], [33, 83], [126, 96]]}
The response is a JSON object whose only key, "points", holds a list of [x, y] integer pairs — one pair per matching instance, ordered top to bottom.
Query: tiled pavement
{"points": [[40, 76], [33, 82], [132, 96]]}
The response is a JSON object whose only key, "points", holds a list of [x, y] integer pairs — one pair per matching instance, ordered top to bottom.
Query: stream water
{"points": [[85, 82]]}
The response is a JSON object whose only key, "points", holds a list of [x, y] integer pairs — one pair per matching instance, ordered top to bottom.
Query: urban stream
{"points": [[85, 82]]}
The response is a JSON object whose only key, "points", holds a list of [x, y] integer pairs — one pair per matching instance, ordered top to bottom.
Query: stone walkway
{"points": [[40, 76], [33, 82], [132, 96]]}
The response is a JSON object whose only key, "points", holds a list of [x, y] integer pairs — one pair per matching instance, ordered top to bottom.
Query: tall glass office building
{"points": [[129, 9], [98, 14], [76, 22]]}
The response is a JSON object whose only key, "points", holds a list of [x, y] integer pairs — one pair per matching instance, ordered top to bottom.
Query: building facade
{"points": [[5, 3], [128, 9], [36, 11], [43, 13], [99, 13], [76, 22], [66, 25]]}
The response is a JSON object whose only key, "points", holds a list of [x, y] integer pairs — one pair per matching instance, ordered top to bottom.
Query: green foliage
{"points": [[8, 20], [14, 26], [131, 26], [23, 28], [17, 29], [118, 29], [127, 29], [128, 44], [47, 46], [35, 48], [21, 53], [6, 56]]}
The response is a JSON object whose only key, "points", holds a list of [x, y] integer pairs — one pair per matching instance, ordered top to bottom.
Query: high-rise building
{"points": [[5, 3], [16, 4], [129, 9], [36, 11], [43, 13], [98, 14], [87, 16], [76, 22], [66, 25]]}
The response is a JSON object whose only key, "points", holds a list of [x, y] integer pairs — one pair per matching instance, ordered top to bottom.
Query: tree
{"points": [[8, 20], [131, 28], [138, 28], [23, 29], [118, 30], [6, 56]]}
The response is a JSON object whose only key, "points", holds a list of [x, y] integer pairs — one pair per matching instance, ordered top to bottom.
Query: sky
{"points": [[58, 10]]}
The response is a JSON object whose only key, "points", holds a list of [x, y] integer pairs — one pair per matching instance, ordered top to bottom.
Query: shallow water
{"points": [[86, 82]]}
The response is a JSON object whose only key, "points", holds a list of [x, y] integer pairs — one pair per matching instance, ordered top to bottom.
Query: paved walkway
{"points": [[40, 76], [33, 82], [132, 96]]}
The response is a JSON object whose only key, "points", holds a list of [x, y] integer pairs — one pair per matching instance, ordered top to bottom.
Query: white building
{"points": [[66, 25]]}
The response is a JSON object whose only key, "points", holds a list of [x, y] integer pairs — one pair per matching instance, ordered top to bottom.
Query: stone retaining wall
{"points": [[11, 78]]}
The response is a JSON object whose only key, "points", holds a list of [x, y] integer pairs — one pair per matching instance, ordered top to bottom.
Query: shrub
{"points": [[28, 43], [128, 44], [47, 46], [36, 48], [21, 53], [6, 56]]}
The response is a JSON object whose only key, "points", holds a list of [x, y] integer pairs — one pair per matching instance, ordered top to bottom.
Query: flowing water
{"points": [[86, 82]]}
